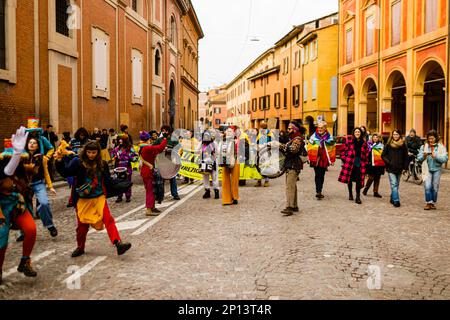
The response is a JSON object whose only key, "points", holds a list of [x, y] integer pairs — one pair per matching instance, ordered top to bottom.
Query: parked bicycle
{"points": [[414, 171]]}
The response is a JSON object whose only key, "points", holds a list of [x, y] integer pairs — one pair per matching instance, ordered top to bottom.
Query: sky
{"points": [[231, 25]]}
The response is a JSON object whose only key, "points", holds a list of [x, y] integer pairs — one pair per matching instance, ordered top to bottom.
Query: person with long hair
{"points": [[81, 137], [321, 154], [433, 155], [123, 156], [395, 156], [355, 160], [375, 168], [37, 171], [92, 176], [15, 202]]}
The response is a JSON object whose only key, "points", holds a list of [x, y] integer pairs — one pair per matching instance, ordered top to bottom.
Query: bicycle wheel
{"points": [[406, 174], [418, 174]]}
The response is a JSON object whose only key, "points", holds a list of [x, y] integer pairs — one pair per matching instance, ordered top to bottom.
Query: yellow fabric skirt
{"points": [[105, 155], [90, 211]]}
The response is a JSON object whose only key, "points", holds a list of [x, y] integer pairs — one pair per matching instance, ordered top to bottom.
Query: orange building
{"points": [[62, 61], [393, 69], [217, 107]]}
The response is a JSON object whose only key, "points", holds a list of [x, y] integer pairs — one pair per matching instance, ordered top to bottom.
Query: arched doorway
{"points": [[397, 87], [370, 93], [434, 99], [349, 100], [172, 104], [189, 115], [310, 122]]}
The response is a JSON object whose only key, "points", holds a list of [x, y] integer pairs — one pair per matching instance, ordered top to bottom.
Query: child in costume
{"points": [[208, 151], [123, 156], [375, 169], [92, 176], [15, 207]]}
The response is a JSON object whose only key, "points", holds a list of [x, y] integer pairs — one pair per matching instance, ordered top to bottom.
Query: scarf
{"points": [[325, 141], [396, 144], [376, 150]]}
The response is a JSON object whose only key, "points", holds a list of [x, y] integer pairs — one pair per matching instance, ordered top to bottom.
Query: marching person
{"points": [[81, 137], [104, 137], [264, 137], [413, 143], [208, 150], [148, 153], [321, 154], [434, 155], [123, 156], [395, 156], [228, 160], [355, 160], [293, 164], [375, 168], [37, 172], [92, 176], [15, 203]]}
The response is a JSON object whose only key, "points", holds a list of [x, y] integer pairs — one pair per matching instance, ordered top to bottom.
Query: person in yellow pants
{"points": [[228, 149]]}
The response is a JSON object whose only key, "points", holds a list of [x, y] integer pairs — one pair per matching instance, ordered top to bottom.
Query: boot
{"points": [[258, 184], [266, 184], [365, 191], [207, 194], [216, 194], [377, 195], [350, 196], [358, 199], [288, 211], [153, 212], [122, 247], [77, 252], [26, 268]]}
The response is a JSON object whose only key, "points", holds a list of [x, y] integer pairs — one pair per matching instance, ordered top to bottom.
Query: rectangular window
{"points": [[134, 5], [431, 15], [61, 17], [396, 23], [370, 31], [2, 35], [349, 46], [306, 54], [302, 56], [296, 59], [100, 61], [137, 69], [314, 89], [305, 91], [334, 93], [296, 96], [285, 98], [276, 100], [268, 102], [261, 103], [254, 104], [218, 121]]}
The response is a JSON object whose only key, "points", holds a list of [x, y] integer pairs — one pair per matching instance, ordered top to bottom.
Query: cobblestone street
{"points": [[200, 250]]}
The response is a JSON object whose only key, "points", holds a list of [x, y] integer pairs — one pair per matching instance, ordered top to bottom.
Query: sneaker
{"points": [[258, 184], [266, 184], [207, 194], [216, 194], [377, 195], [177, 198], [119, 200], [397, 204], [433, 206], [428, 207], [53, 232], [20, 238], [122, 247], [78, 252], [26, 268]]}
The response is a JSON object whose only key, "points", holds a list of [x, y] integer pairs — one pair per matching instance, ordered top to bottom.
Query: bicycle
{"points": [[414, 170]]}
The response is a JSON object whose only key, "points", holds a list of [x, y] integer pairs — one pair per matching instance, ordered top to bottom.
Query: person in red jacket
{"points": [[148, 155]]}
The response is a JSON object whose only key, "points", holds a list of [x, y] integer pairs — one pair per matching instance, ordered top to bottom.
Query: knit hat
{"points": [[144, 135]]}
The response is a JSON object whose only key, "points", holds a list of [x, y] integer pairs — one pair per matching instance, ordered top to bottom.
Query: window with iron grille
{"points": [[61, 17], [2, 35]]}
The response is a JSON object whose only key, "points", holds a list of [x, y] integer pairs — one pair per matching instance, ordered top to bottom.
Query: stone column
{"points": [[416, 118]]}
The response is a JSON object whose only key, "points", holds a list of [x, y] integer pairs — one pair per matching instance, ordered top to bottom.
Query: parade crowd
{"points": [[100, 165]]}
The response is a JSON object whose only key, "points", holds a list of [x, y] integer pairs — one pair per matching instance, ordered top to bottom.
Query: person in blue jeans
{"points": [[432, 155], [395, 156], [37, 172]]}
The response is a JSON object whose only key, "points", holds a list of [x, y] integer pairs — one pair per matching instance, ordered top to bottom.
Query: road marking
{"points": [[188, 189], [165, 205], [165, 213], [127, 225], [33, 259], [84, 270]]}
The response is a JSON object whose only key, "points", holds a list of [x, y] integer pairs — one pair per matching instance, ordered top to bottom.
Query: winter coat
{"points": [[293, 151], [348, 158], [396, 159], [434, 164], [376, 165]]}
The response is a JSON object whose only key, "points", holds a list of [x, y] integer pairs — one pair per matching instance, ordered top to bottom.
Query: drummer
{"points": [[166, 131], [123, 156]]}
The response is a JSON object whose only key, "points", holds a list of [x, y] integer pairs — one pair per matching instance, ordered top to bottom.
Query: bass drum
{"points": [[270, 162], [168, 164]]}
